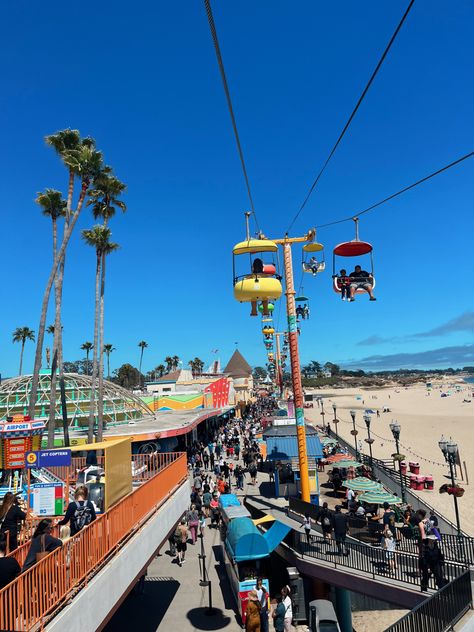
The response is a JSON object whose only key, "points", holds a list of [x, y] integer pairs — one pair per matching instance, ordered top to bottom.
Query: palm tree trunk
{"points": [[44, 306], [56, 342], [21, 355], [108, 365], [140, 367], [88, 370], [100, 416], [90, 432]]}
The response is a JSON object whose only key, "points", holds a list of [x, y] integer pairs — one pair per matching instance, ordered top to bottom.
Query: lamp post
{"points": [[322, 415], [335, 420], [395, 428], [354, 431], [369, 440], [450, 451]]}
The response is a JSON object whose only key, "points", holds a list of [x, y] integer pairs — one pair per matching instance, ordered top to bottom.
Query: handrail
{"points": [[144, 466], [455, 548], [368, 560], [32, 598], [441, 611]]}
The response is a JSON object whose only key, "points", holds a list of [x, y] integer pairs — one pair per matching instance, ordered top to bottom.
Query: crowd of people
{"points": [[226, 462], [79, 513]]}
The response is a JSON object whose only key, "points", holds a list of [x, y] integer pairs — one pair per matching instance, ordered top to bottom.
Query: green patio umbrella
{"points": [[346, 464], [362, 484], [379, 498]]}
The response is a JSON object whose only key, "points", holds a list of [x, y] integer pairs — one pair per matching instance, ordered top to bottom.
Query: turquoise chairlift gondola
{"points": [[302, 307]]}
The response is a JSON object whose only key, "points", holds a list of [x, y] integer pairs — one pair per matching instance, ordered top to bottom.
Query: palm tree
{"points": [[84, 162], [104, 196], [104, 201], [54, 206], [97, 237], [50, 329], [22, 334], [143, 345], [87, 347], [108, 350], [176, 361], [169, 364], [199, 365], [160, 369]]}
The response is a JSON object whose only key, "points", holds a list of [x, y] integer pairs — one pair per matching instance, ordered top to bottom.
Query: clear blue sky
{"points": [[142, 79]]}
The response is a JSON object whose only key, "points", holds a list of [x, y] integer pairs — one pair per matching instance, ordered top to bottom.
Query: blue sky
{"points": [[145, 84]]}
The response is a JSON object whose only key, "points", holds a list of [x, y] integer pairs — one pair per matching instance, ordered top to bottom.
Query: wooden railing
{"points": [[32, 599]]}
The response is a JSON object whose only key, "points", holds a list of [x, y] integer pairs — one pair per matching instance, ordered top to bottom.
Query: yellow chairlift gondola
{"points": [[311, 263], [261, 282], [268, 330]]}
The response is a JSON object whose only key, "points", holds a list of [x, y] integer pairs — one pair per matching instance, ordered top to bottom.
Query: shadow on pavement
{"points": [[146, 611], [200, 619]]}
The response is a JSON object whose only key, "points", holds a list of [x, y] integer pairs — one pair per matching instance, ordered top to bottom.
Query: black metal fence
{"points": [[455, 548], [371, 561], [440, 611]]}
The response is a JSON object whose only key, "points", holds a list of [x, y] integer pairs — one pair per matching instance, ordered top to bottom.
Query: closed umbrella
{"points": [[363, 484], [379, 498]]}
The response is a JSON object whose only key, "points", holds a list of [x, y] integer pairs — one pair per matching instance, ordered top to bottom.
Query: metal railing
{"points": [[455, 548], [371, 561], [33, 598], [441, 611]]}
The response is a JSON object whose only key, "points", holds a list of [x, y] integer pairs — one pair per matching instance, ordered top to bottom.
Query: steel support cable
{"points": [[220, 63], [354, 111], [404, 190]]}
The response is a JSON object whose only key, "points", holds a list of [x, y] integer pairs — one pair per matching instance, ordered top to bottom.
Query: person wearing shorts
{"points": [[361, 280], [181, 541]]}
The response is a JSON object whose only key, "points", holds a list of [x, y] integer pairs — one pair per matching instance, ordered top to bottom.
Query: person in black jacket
{"points": [[80, 512], [10, 517], [42, 540], [432, 561], [9, 567]]}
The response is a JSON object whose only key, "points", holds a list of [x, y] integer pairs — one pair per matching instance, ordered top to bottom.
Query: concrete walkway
{"points": [[173, 599]]}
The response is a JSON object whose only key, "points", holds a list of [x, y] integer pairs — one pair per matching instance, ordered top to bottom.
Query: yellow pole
{"points": [[296, 371]]}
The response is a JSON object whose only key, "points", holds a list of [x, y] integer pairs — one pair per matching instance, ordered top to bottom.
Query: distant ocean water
{"points": [[469, 380]]}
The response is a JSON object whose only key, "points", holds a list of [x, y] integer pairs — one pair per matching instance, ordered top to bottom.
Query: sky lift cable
{"points": [[217, 49], [354, 111], [404, 190]]}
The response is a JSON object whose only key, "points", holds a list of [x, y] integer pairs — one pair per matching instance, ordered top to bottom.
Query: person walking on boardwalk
{"points": [[192, 518], [325, 519], [341, 528], [181, 541], [263, 597], [286, 600], [252, 615], [279, 616]]}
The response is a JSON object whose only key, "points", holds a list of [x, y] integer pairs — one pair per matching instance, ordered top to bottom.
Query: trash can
{"points": [[403, 467], [414, 467], [412, 481], [429, 482], [420, 483]]}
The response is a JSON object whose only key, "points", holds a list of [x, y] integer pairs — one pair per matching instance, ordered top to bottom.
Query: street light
{"points": [[322, 415], [335, 420], [395, 428], [354, 431], [369, 440], [450, 452]]}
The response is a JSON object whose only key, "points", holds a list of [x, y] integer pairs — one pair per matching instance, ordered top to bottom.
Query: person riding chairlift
{"points": [[314, 265], [360, 279]]}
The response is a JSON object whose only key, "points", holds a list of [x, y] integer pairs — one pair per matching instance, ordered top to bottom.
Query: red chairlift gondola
{"points": [[354, 248]]}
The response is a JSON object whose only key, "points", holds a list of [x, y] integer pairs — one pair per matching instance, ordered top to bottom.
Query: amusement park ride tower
{"points": [[262, 284]]}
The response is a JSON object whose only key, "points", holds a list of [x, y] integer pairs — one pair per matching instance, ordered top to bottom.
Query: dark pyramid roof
{"points": [[238, 366]]}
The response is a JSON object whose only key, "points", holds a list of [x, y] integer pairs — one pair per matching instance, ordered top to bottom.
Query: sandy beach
{"points": [[424, 416]]}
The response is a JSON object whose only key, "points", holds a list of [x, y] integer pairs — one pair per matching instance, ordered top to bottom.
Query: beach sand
{"points": [[424, 416]]}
